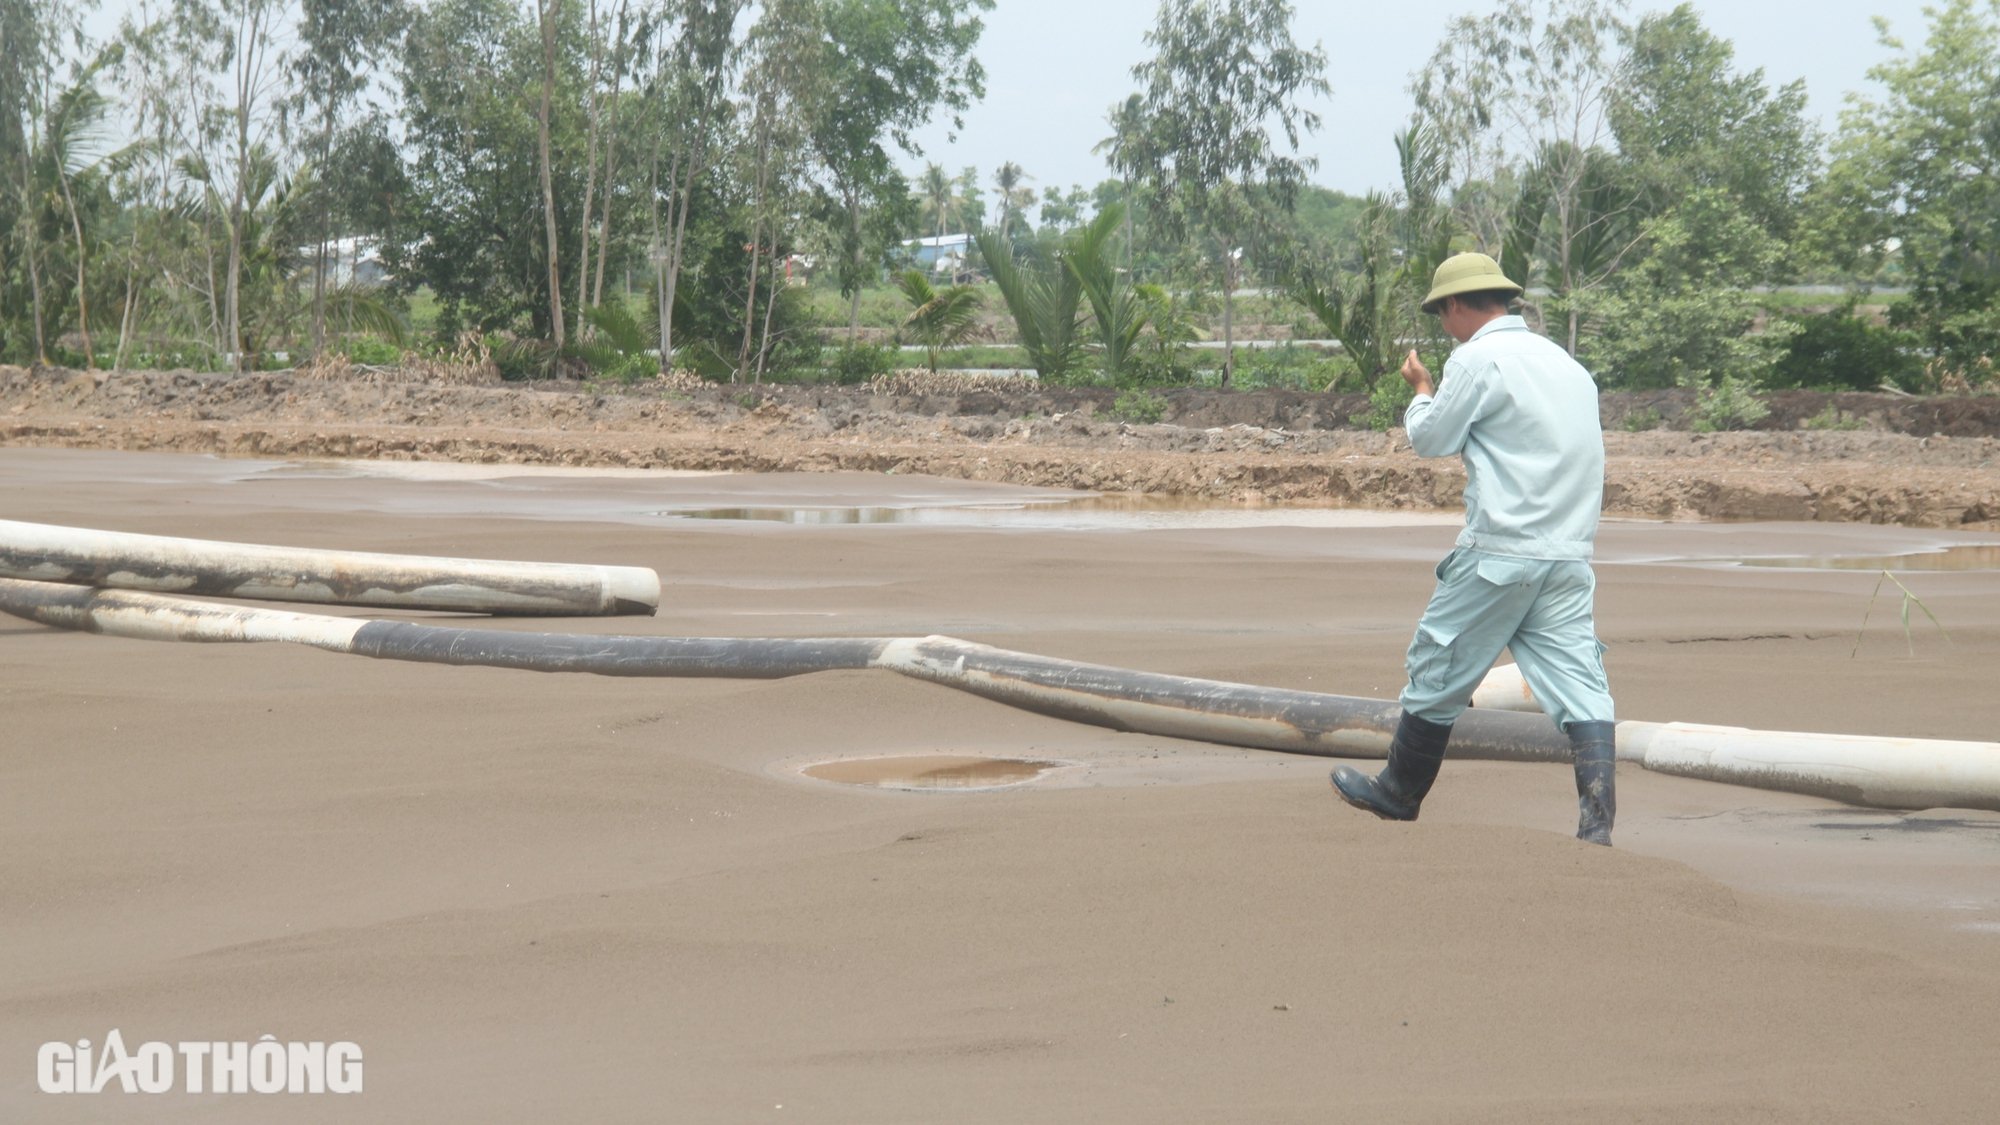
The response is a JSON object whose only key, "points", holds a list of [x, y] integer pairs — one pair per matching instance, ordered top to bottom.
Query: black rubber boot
{"points": [[1594, 746], [1415, 754]]}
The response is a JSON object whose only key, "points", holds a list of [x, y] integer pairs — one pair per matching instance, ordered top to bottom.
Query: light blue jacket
{"points": [[1523, 415]]}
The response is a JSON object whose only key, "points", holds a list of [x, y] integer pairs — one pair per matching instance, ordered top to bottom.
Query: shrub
{"points": [[1840, 350], [372, 351], [860, 363], [1386, 404], [1731, 404], [1139, 406], [1832, 418], [1641, 420]]}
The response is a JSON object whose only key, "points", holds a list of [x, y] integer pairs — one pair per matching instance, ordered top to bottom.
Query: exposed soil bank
{"points": [[1915, 462]]}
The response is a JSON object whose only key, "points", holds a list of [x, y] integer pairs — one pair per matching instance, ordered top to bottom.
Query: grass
{"points": [[1909, 599]]}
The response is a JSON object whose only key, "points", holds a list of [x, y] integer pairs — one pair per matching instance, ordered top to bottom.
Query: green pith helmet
{"points": [[1467, 273]]}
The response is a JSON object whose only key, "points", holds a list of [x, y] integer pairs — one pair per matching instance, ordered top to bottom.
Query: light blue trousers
{"points": [[1539, 608]]}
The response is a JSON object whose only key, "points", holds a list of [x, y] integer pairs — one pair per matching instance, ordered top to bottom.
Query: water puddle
{"points": [[1099, 513], [1973, 557], [933, 771]]}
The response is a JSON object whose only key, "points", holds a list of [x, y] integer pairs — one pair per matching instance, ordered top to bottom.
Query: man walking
{"points": [[1523, 416]]}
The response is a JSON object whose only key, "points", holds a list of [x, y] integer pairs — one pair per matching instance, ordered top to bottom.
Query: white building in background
{"points": [[943, 254], [349, 261]]}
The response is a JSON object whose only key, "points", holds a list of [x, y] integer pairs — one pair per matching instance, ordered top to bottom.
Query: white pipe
{"points": [[124, 561], [1505, 689], [1891, 773], [1906, 773]]}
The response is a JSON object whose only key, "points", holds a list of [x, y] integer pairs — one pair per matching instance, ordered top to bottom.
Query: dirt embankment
{"points": [[1917, 462]]}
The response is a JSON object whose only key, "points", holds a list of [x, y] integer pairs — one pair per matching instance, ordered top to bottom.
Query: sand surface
{"points": [[536, 898]]}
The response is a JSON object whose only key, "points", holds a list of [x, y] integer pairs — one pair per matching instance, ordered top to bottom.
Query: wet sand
{"points": [[540, 898]]}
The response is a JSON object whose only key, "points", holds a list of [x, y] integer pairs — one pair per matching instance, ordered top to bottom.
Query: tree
{"points": [[39, 36], [336, 37], [256, 61], [693, 62], [883, 68], [471, 73], [1222, 74], [1527, 89], [1685, 120], [1714, 165], [1921, 165], [1015, 198], [940, 199], [1045, 298], [1119, 309], [939, 318]]}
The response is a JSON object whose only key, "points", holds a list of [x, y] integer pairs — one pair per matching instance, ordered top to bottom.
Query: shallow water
{"points": [[1969, 557]]}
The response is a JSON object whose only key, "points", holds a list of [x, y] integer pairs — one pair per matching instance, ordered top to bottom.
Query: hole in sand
{"points": [[932, 771]]}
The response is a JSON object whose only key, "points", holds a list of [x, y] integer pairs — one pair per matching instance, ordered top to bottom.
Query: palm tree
{"points": [[1121, 151], [74, 154], [1015, 197], [941, 199], [1045, 298], [1118, 309], [939, 318]]}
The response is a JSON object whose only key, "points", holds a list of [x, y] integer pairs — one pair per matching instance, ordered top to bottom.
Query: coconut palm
{"points": [[1015, 197], [942, 202], [939, 318]]}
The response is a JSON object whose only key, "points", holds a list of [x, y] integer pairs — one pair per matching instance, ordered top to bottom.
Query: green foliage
{"points": [[1685, 121], [1920, 170], [1045, 298], [1119, 310], [1683, 316], [939, 318], [620, 347], [1839, 350], [372, 351], [858, 363], [1386, 404], [1731, 404], [1138, 406], [1832, 418], [1639, 421], [1909, 599]]}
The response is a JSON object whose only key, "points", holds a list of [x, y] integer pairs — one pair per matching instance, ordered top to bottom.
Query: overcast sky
{"points": [[1055, 67]]}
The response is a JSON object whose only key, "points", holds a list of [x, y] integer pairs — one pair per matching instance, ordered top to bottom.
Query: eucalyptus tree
{"points": [[548, 17], [39, 37], [337, 39], [249, 47], [693, 58], [885, 68], [1224, 73], [781, 87], [1527, 89], [1120, 150], [1717, 165]]}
